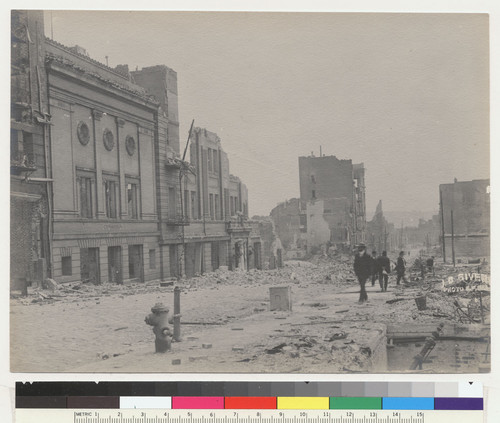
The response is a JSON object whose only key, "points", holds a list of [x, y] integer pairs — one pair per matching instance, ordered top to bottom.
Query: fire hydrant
{"points": [[159, 320]]}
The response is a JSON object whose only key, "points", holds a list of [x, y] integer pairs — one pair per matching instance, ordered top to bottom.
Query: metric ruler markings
{"points": [[349, 417]]}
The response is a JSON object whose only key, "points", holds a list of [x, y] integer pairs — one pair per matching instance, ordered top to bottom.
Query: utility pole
{"points": [[442, 225], [401, 237], [452, 240], [181, 257]]}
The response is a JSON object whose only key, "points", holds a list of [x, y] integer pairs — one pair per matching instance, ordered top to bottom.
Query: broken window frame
{"points": [[209, 160], [215, 161], [85, 185], [111, 196], [133, 198], [172, 202], [187, 207], [216, 207], [211, 208], [194, 214], [152, 258], [66, 266]]}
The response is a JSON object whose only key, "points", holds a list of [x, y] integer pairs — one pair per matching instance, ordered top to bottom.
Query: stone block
{"points": [[280, 298]]}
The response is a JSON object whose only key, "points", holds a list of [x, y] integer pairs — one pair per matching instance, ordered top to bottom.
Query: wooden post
{"points": [[442, 225], [452, 240], [481, 305], [177, 314]]}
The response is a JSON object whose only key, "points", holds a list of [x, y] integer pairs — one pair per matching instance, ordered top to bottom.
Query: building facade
{"points": [[30, 183], [99, 189], [332, 192], [467, 233]]}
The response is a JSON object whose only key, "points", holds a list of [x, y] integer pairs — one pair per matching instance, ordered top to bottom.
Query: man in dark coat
{"points": [[384, 265], [375, 267], [401, 267], [363, 270]]}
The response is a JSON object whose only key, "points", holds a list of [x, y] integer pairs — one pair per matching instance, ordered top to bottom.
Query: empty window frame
{"points": [[209, 159], [216, 160], [86, 186], [111, 197], [132, 200], [211, 200], [186, 204], [216, 207], [194, 215], [152, 258], [66, 266]]}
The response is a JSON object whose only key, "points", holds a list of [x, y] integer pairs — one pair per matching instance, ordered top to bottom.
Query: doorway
{"points": [[135, 262], [89, 265], [115, 265]]}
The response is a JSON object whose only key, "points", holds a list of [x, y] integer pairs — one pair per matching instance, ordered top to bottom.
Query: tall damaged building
{"points": [[99, 189], [332, 195], [465, 218]]}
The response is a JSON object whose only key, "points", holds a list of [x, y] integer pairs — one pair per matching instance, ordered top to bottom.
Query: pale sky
{"points": [[407, 94]]}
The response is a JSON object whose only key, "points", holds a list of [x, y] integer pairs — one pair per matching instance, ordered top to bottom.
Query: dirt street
{"points": [[227, 325]]}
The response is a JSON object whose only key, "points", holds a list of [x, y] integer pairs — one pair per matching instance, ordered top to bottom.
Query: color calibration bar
{"points": [[253, 389], [255, 403]]}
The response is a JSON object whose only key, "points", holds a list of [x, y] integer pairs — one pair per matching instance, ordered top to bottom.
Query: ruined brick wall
{"points": [[161, 82], [29, 115], [325, 177], [470, 202], [21, 217], [286, 219], [318, 229], [468, 247]]}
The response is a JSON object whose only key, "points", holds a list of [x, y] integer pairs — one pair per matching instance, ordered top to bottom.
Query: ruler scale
{"points": [[29, 415]]}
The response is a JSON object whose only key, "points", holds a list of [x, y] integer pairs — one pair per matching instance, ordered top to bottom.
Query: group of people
{"points": [[368, 266]]}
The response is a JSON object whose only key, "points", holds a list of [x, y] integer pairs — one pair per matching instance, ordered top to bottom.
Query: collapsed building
{"points": [[99, 191], [332, 195], [465, 218], [289, 221]]}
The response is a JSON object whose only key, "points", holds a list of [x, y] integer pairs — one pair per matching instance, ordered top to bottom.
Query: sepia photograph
{"points": [[249, 192]]}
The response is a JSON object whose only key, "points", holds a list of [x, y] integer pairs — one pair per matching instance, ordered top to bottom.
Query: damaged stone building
{"points": [[30, 185], [99, 191], [332, 194], [465, 218], [289, 223]]}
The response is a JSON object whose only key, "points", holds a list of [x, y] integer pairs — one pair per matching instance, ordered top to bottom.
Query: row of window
{"points": [[213, 160], [111, 187], [231, 205], [89, 257]]}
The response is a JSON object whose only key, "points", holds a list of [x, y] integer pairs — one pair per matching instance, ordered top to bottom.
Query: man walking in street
{"points": [[384, 265], [375, 267], [401, 267], [363, 270]]}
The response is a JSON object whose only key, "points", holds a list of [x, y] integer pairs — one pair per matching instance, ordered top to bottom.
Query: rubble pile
{"points": [[81, 292]]}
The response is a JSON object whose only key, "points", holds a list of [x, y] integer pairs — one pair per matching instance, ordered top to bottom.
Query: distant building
{"points": [[332, 193], [470, 203], [379, 232]]}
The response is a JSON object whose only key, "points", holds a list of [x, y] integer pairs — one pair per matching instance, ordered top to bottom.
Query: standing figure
{"points": [[384, 265], [430, 265], [401, 267], [375, 268], [363, 270]]}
